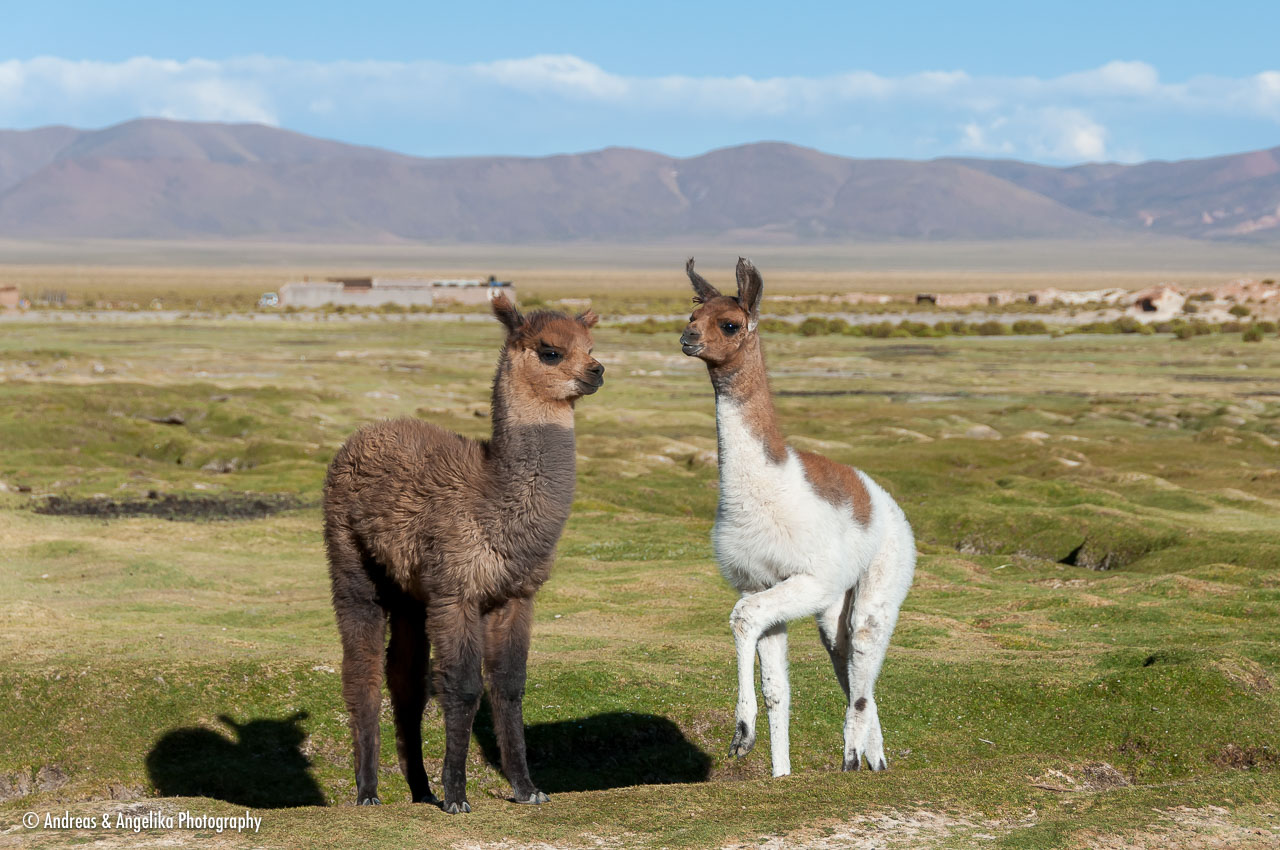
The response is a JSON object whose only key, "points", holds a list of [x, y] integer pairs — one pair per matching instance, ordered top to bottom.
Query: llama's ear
{"points": [[701, 289], [750, 289], [507, 312], [588, 318]]}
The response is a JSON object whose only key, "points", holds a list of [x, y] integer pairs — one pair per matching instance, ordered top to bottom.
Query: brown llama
{"points": [[447, 539]]}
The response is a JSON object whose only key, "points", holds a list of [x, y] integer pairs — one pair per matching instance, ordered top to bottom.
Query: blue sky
{"points": [[1049, 82]]}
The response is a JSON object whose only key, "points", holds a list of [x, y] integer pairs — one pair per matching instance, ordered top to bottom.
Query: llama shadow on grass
{"points": [[611, 750], [263, 768]]}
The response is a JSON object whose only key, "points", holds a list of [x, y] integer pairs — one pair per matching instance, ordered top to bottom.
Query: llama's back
{"points": [[409, 458], [398, 483], [895, 554]]}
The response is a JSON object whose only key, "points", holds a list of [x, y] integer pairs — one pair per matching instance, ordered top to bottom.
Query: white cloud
{"points": [[567, 75], [1111, 80], [194, 90], [1072, 117], [1052, 133], [1071, 134], [978, 138]]}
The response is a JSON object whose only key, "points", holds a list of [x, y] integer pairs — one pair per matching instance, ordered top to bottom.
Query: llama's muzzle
{"points": [[689, 342], [593, 380]]}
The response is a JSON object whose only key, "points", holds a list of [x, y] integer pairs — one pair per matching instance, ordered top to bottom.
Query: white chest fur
{"points": [[771, 523]]}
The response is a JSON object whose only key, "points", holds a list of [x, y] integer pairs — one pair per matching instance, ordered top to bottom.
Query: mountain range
{"points": [[159, 179]]}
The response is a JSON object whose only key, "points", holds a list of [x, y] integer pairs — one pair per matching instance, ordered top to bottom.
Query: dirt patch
{"points": [[175, 507], [1091, 559], [1245, 673], [1246, 758], [1094, 776], [49, 777], [14, 785], [1186, 828], [918, 829], [587, 842]]}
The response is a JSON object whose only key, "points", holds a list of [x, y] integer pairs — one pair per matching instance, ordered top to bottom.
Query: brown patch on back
{"points": [[837, 484]]}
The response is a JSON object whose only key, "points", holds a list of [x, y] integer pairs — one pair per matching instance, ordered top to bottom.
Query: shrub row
{"points": [[820, 326]]}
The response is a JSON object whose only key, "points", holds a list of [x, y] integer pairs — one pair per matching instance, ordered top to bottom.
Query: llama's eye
{"points": [[729, 328], [550, 356]]}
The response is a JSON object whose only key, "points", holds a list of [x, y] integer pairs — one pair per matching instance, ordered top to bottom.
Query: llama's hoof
{"points": [[743, 740], [876, 763], [428, 798], [537, 798], [370, 801], [454, 808]]}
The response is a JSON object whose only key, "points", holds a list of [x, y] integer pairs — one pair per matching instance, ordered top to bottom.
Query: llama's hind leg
{"points": [[875, 612], [756, 613], [362, 625], [833, 628], [456, 632], [772, 650], [506, 652], [407, 670]]}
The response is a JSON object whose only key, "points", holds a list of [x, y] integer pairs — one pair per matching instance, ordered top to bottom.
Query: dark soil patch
{"points": [[889, 352], [171, 507], [1091, 559], [1246, 758]]}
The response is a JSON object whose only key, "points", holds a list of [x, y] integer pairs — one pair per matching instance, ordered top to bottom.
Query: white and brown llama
{"points": [[795, 533]]}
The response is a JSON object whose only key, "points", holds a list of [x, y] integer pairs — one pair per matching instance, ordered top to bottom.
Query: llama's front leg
{"points": [[756, 613], [456, 633], [772, 650], [506, 651], [744, 731]]}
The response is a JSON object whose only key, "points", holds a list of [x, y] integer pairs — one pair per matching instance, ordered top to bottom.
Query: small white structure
{"points": [[380, 291], [471, 291], [357, 292], [1158, 303]]}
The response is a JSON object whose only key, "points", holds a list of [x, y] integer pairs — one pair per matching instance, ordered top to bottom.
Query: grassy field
{"points": [[1089, 656]]}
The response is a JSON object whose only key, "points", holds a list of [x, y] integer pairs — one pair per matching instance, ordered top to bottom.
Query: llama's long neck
{"points": [[746, 422], [531, 461]]}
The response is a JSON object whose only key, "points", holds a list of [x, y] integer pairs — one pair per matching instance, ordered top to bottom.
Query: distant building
{"points": [[471, 291], [402, 292], [9, 298], [1157, 303]]}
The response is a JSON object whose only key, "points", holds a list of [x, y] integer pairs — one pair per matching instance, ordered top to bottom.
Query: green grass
{"points": [[1017, 654]]}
